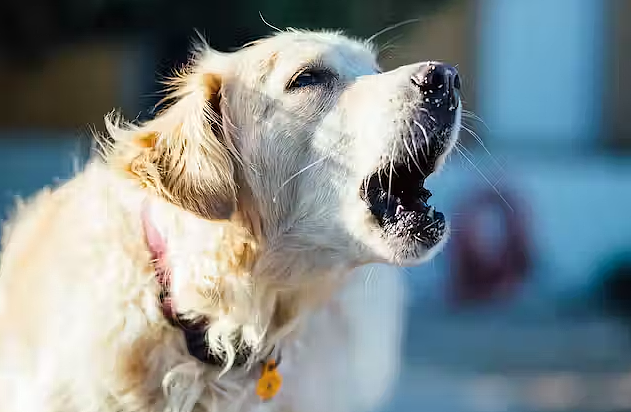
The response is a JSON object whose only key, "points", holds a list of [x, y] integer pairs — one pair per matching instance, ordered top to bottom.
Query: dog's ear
{"points": [[182, 153]]}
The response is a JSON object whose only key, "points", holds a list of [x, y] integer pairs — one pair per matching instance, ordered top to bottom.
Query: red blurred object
{"points": [[483, 271]]}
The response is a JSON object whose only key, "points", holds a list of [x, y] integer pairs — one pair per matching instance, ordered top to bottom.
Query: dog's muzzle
{"points": [[395, 192]]}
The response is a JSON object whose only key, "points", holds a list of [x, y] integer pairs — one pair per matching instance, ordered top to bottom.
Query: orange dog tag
{"points": [[270, 381]]}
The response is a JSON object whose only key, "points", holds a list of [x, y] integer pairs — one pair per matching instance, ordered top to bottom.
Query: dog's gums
{"points": [[398, 200]]}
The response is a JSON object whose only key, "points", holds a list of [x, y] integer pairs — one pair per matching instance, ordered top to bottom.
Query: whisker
{"points": [[268, 24], [392, 27], [390, 42], [428, 113], [470, 115], [425, 136], [481, 143], [394, 147], [462, 147], [413, 155], [417, 160], [298, 173], [485, 178], [380, 182]]}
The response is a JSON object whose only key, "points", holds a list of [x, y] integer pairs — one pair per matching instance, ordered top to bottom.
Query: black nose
{"points": [[439, 84]]}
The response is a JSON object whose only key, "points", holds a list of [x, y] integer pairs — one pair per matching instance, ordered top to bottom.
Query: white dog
{"points": [[198, 264]]}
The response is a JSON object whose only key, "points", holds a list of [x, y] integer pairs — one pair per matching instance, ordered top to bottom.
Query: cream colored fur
{"points": [[254, 246]]}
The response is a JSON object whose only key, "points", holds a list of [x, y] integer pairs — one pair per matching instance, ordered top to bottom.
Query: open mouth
{"points": [[398, 200]]}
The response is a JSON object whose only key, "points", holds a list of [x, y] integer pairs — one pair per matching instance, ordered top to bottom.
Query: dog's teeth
{"points": [[399, 210], [430, 213]]}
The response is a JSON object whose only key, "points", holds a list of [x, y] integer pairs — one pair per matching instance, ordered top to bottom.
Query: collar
{"points": [[194, 330]]}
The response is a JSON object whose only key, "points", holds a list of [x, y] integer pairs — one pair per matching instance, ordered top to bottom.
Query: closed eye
{"points": [[309, 77]]}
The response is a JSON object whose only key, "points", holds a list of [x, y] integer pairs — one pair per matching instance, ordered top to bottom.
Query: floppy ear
{"points": [[181, 153]]}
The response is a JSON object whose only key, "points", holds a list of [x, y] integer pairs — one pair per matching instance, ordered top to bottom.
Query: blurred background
{"points": [[529, 306]]}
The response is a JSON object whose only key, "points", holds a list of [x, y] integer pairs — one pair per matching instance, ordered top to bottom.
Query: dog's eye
{"points": [[310, 77]]}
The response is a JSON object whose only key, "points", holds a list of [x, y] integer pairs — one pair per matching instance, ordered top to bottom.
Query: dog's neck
{"points": [[221, 277]]}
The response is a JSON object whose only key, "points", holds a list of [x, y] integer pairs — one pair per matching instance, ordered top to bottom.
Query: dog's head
{"points": [[307, 137]]}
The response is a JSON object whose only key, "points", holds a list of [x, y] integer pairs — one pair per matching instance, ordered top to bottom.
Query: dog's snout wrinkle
{"points": [[438, 83]]}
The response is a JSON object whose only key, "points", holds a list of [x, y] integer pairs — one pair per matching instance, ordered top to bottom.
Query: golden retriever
{"points": [[204, 260]]}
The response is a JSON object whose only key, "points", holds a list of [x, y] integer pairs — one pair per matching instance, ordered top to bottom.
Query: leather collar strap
{"points": [[194, 330]]}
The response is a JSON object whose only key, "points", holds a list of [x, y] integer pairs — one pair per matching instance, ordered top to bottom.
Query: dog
{"points": [[205, 260]]}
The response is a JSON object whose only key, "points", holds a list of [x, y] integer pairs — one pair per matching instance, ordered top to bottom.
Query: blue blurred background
{"points": [[529, 306]]}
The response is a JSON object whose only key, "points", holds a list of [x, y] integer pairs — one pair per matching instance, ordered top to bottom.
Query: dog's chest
{"points": [[315, 369]]}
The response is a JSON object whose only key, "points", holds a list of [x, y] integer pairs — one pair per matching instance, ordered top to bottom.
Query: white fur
{"points": [[255, 192]]}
